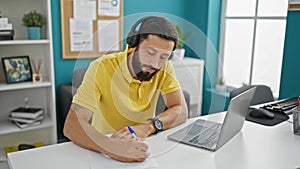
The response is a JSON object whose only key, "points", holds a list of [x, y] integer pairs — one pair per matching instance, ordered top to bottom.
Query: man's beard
{"points": [[137, 68]]}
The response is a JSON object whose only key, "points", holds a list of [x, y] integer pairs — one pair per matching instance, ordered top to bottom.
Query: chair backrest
{"points": [[78, 75], [263, 94], [161, 105]]}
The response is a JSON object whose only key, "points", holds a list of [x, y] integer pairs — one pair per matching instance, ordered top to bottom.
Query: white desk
{"points": [[256, 147]]}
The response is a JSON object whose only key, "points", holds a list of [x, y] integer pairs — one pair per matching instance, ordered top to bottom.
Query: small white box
{"points": [[3, 20]]}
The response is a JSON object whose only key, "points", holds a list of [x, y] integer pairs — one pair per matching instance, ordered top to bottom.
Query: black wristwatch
{"points": [[158, 125]]}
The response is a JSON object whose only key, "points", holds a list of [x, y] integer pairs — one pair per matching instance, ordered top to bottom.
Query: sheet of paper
{"points": [[109, 7], [84, 9], [81, 35], [108, 35], [158, 146], [100, 161]]}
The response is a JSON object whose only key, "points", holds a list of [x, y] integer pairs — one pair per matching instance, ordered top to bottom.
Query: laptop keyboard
{"points": [[208, 137]]}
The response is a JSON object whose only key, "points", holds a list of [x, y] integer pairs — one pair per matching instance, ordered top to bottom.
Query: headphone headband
{"points": [[161, 27], [133, 36]]}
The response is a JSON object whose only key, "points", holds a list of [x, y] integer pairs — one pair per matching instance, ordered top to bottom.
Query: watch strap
{"points": [[155, 121]]}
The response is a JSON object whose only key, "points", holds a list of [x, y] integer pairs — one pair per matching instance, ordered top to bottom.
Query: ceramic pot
{"points": [[34, 33], [178, 54]]}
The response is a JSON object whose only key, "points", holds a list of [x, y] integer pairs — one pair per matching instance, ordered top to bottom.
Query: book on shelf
{"points": [[7, 26], [6, 29], [31, 113], [25, 120], [25, 125]]}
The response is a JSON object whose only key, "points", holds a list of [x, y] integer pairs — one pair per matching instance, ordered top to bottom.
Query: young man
{"points": [[122, 89]]}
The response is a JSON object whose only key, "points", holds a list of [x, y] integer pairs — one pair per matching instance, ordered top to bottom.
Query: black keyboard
{"points": [[284, 106]]}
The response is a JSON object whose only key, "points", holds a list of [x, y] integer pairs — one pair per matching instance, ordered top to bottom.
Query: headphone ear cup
{"points": [[132, 40], [171, 55]]}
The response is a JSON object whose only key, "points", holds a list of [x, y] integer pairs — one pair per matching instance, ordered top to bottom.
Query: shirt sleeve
{"points": [[89, 93]]}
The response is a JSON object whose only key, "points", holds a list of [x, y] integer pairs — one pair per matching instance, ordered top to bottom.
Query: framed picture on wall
{"points": [[17, 69]]}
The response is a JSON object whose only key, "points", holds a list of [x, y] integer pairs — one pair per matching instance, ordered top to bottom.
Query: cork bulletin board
{"points": [[294, 4], [294, 7], [67, 14]]}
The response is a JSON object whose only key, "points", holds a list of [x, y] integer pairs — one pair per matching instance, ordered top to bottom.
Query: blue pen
{"points": [[132, 132]]}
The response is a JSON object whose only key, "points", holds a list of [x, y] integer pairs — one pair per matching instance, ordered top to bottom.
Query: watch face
{"points": [[158, 124]]}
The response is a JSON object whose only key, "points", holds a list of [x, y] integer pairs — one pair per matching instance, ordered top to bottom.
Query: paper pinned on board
{"points": [[109, 7], [84, 9], [81, 35], [108, 35]]}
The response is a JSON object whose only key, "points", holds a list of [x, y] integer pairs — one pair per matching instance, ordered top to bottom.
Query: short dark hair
{"points": [[154, 25]]}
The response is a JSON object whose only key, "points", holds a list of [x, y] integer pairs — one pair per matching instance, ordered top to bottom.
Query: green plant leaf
{"points": [[34, 19], [181, 36], [220, 81]]}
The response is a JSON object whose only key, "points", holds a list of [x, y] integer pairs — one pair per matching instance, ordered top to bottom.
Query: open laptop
{"points": [[211, 135]]}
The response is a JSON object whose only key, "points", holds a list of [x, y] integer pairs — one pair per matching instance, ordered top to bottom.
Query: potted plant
{"points": [[34, 22], [179, 52], [245, 84], [220, 86]]}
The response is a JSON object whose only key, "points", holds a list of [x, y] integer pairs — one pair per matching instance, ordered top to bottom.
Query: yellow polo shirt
{"points": [[115, 98]]}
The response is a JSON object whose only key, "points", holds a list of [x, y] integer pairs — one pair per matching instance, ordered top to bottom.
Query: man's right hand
{"points": [[78, 129], [127, 150]]}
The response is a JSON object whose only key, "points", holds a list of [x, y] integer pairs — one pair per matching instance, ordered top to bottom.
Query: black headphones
{"points": [[133, 37]]}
